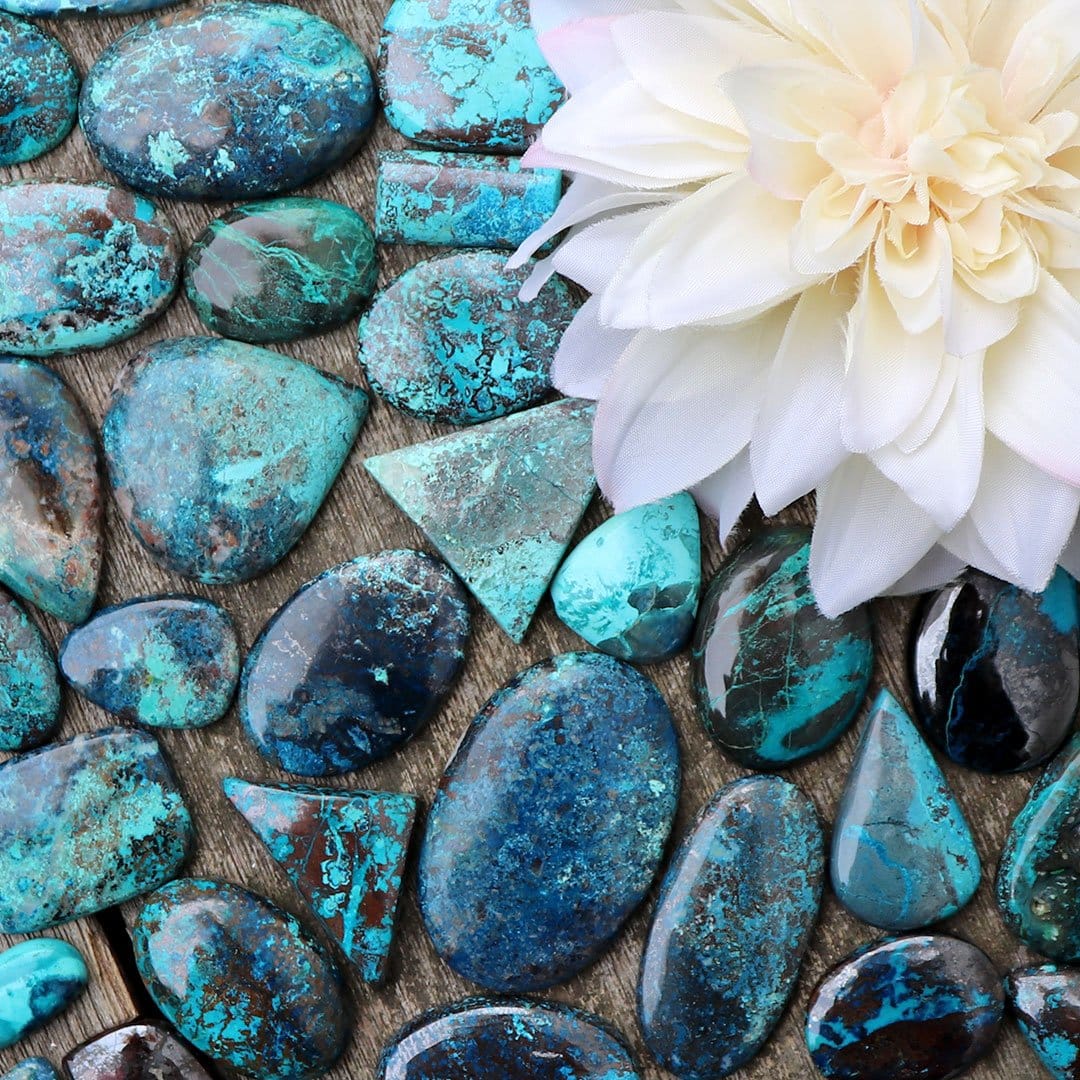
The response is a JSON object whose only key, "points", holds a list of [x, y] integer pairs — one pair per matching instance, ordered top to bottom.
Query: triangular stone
{"points": [[500, 502], [344, 850]]}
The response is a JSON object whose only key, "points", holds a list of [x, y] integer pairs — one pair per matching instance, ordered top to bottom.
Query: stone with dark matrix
{"points": [[39, 9], [996, 670], [775, 680], [29, 687], [549, 823], [751, 872], [39, 979], [1046, 1004], [139, 1051], [35, 1068]]}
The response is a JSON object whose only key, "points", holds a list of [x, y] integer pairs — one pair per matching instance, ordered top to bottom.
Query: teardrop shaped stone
{"points": [[29, 686], [902, 853], [734, 918], [39, 979], [1046, 1004], [139, 1051]]}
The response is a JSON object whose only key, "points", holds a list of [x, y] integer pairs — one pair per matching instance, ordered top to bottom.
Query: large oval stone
{"points": [[51, 8], [228, 101], [81, 266], [221, 453], [356, 663], [996, 670], [776, 681], [29, 687], [549, 823], [751, 872], [241, 979], [38, 981], [1046, 1004], [914, 1008], [506, 1039], [139, 1051]]}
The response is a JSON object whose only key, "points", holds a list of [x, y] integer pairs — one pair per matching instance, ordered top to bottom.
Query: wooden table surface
{"points": [[358, 518]]}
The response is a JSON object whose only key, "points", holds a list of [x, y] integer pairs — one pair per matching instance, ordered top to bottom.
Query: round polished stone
{"points": [[29, 687]]}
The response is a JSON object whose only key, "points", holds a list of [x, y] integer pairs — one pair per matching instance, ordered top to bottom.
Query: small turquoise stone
{"points": [[44, 9], [39, 91], [461, 200], [281, 270], [450, 341], [220, 453], [631, 586], [167, 661], [29, 687], [549, 823], [344, 850], [734, 918], [241, 979], [38, 981], [1046, 1004], [139, 1051], [31, 1069]]}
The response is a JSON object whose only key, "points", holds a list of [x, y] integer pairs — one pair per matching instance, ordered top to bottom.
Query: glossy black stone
{"points": [[139, 1051]]}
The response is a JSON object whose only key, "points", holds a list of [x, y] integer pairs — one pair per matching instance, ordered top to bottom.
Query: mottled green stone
{"points": [[29, 687], [38, 980], [31, 1069]]}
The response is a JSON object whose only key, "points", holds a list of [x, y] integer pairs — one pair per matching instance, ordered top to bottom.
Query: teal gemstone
{"points": [[631, 586], [29, 687], [902, 853], [38, 981], [1046, 1004], [31, 1069]]}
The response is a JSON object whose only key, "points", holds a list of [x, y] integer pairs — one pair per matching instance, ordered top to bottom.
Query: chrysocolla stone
{"points": [[52, 8], [39, 91], [228, 101], [461, 200], [82, 266], [281, 270], [450, 340], [221, 453], [631, 586], [166, 661], [355, 663], [996, 670], [776, 681], [29, 687], [549, 823], [84, 825], [344, 850], [902, 853], [734, 918], [241, 979], [38, 980], [1046, 1004], [915, 1008], [506, 1039], [139, 1051], [31, 1069]]}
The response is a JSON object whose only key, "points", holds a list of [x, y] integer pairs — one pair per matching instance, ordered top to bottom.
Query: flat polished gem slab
{"points": [[461, 200], [29, 686], [84, 825], [39, 979], [1046, 1004], [139, 1051], [31, 1069]]}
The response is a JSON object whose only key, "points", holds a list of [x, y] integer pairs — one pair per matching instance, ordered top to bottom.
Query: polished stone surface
{"points": [[53, 8], [227, 102], [461, 200], [82, 266], [281, 270], [450, 341], [221, 453], [500, 502], [164, 661], [996, 671], [776, 681], [29, 686], [549, 823], [84, 825], [344, 850], [903, 855], [734, 918], [39, 979], [241, 979], [1046, 1004], [139, 1051], [31, 1069]]}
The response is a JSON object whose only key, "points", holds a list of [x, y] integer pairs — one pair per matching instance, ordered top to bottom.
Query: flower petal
{"points": [[581, 51], [591, 253], [973, 323], [587, 353], [726, 494], [936, 569]]}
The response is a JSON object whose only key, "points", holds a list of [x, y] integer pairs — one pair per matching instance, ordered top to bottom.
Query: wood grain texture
{"points": [[357, 518]]}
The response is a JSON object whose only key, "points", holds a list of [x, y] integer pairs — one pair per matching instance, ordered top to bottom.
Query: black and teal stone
{"points": [[44, 9], [228, 101], [281, 270], [220, 453], [29, 686], [549, 823], [87, 824], [39, 979], [241, 979], [1046, 1004], [139, 1051], [35, 1068]]}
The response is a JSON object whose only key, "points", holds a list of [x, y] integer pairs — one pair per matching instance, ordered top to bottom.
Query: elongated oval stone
{"points": [[43, 9], [228, 101], [82, 266], [281, 270], [220, 453], [167, 661], [996, 670], [776, 681], [29, 687], [549, 822], [751, 871], [241, 979], [38, 981], [1046, 1004], [914, 1008], [506, 1039], [139, 1051], [35, 1068]]}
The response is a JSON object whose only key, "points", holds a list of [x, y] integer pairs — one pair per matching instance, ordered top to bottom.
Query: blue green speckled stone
{"points": [[52, 8], [228, 101], [220, 453], [631, 586], [29, 687], [344, 850], [241, 979], [38, 980], [1046, 1004], [139, 1051], [31, 1069]]}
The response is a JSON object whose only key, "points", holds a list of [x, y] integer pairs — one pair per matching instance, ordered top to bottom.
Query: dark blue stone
{"points": [[29, 687], [549, 823], [734, 918], [1046, 1004], [139, 1051], [31, 1069]]}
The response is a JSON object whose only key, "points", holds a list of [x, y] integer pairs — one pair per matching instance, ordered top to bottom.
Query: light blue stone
{"points": [[29, 687], [38, 980], [35, 1068]]}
